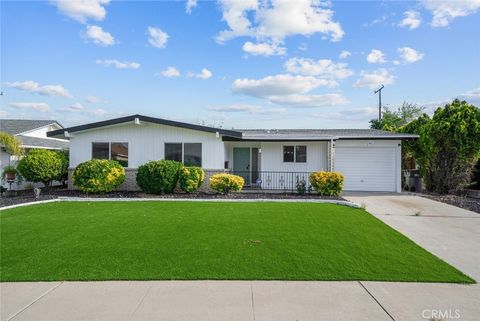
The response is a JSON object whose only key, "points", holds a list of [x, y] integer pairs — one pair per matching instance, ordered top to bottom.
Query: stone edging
{"points": [[95, 199], [30, 203]]}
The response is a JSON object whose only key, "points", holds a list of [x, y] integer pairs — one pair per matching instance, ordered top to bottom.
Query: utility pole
{"points": [[379, 91]]}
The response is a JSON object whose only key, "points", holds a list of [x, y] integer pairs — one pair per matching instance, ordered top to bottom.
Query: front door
{"points": [[241, 163]]}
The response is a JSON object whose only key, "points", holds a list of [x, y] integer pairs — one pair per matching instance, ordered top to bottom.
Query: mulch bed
{"points": [[27, 196], [468, 203]]}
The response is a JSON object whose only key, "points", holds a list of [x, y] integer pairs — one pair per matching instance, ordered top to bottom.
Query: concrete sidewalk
{"points": [[237, 300]]}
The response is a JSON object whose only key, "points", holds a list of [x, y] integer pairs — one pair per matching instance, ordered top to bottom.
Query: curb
{"points": [[245, 200], [29, 203]]}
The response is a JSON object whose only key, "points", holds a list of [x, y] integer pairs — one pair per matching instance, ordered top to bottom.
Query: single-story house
{"points": [[32, 134], [269, 159]]}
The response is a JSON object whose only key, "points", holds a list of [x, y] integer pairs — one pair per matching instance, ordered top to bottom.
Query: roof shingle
{"points": [[18, 126]]}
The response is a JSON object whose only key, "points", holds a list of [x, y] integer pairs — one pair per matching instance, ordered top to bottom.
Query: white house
{"points": [[32, 134], [369, 159]]}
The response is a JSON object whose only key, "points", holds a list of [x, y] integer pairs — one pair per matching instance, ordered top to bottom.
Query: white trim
{"points": [[35, 129]]}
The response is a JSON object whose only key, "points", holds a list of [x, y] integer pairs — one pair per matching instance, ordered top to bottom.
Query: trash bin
{"points": [[415, 181]]}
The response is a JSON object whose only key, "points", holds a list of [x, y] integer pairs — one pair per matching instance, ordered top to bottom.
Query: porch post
{"points": [[331, 164]]}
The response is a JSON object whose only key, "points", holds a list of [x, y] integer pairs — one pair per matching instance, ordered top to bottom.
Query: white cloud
{"points": [[190, 5], [82, 10], [444, 12], [276, 20], [412, 20], [98, 36], [157, 37], [263, 49], [344, 54], [409, 55], [376, 57], [118, 64], [324, 68], [170, 72], [204, 74], [374, 79], [279, 85], [34, 87], [471, 96], [92, 99], [297, 100], [42, 107], [76, 107], [246, 108], [99, 112], [4, 113]]}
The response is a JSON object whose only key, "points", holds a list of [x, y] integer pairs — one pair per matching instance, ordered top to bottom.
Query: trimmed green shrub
{"points": [[40, 165], [98, 176], [63, 177], [158, 177], [191, 178], [225, 183], [327, 183]]}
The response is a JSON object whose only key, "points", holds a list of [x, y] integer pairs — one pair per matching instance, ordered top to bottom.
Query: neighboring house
{"points": [[32, 134], [369, 159]]}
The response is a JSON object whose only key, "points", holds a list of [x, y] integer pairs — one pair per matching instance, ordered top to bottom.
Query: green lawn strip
{"points": [[209, 240]]}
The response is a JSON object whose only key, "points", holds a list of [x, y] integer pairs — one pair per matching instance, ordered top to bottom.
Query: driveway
{"points": [[451, 233]]}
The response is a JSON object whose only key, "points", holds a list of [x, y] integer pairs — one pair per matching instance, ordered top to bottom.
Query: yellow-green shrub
{"points": [[98, 176], [191, 178], [224, 183], [327, 183]]}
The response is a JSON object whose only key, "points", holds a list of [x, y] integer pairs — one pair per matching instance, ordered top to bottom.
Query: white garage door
{"points": [[367, 168]]}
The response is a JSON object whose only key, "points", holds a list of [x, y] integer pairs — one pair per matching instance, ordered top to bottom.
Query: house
{"points": [[32, 134], [268, 159]]}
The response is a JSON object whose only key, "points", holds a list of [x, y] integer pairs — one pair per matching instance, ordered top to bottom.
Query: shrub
{"points": [[40, 165], [63, 176], [98, 176], [158, 177], [191, 178], [224, 183], [327, 183], [301, 187]]}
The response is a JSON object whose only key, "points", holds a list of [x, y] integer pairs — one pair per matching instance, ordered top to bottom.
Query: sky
{"points": [[235, 64]]}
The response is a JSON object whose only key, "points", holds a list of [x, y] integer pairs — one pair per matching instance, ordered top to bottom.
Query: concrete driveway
{"points": [[451, 233]]}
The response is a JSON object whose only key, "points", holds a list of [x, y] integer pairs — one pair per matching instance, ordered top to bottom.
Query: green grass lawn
{"points": [[205, 240]]}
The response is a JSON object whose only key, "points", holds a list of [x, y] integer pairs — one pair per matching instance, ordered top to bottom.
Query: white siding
{"points": [[42, 131], [146, 142], [272, 157], [373, 165]]}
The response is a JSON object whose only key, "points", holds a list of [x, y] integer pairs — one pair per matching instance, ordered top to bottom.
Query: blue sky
{"points": [[242, 64]]}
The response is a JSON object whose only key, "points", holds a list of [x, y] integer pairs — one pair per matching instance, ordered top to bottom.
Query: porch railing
{"points": [[273, 180]]}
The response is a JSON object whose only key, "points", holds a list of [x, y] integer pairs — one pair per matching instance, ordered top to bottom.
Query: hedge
{"points": [[98, 176], [158, 177], [191, 178], [225, 183], [327, 183]]}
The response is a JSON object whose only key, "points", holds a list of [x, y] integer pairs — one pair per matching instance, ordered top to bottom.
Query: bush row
{"points": [[163, 176]]}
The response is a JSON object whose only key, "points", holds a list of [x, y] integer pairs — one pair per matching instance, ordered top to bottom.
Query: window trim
{"points": [[110, 150], [183, 150], [294, 154]]}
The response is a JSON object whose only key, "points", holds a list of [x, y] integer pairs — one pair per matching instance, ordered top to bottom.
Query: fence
{"points": [[271, 180]]}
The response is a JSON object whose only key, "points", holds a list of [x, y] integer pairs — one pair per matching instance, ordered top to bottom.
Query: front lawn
{"points": [[208, 240]]}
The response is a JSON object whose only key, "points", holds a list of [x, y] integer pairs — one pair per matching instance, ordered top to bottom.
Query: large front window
{"points": [[113, 151], [189, 154]]}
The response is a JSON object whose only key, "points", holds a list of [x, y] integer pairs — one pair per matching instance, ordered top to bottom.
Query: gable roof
{"points": [[161, 121], [18, 126], [320, 134], [37, 142]]}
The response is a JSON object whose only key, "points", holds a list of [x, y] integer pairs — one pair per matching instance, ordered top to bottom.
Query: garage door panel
{"points": [[367, 169]]}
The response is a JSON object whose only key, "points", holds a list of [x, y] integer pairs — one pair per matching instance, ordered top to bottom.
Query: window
{"points": [[100, 151], [113, 151], [173, 151], [119, 152], [190, 154], [193, 154], [288, 154], [297, 154], [301, 154]]}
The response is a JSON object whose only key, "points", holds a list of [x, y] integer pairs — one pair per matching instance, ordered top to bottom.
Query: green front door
{"points": [[241, 163]]}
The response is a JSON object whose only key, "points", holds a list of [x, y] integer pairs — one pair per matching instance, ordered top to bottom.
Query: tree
{"points": [[392, 120], [12, 145], [448, 147], [41, 165], [63, 177]]}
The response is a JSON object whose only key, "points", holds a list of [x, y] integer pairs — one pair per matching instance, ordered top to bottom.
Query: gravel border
{"points": [[465, 202]]}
